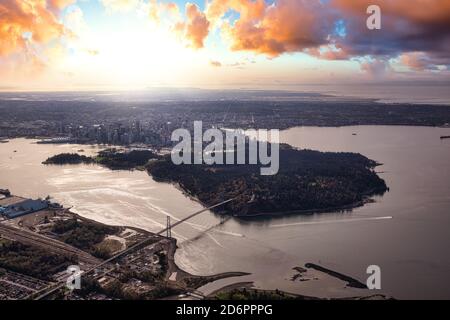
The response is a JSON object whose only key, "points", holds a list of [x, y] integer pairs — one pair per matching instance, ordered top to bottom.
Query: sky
{"points": [[135, 44]]}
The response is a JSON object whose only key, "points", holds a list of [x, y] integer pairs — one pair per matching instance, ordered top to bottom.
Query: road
{"points": [[48, 244], [48, 291]]}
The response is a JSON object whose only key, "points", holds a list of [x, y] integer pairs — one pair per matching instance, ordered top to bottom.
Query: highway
{"points": [[48, 244], [52, 289]]}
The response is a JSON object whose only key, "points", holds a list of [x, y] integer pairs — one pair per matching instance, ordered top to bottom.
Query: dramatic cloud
{"points": [[60, 4], [248, 9], [157, 10], [419, 11], [28, 21], [285, 26], [408, 26], [196, 27], [336, 29], [330, 30], [415, 34], [329, 52], [419, 61]]}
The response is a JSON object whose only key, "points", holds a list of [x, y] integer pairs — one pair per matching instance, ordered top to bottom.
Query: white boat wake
{"points": [[330, 221]]}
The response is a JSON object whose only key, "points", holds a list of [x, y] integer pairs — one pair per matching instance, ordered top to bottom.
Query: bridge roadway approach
{"points": [[46, 243], [54, 288]]}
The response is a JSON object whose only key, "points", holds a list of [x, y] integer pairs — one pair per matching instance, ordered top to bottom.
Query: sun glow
{"points": [[71, 44], [133, 56]]}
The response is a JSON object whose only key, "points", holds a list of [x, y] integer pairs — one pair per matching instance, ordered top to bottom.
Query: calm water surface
{"points": [[405, 232]]}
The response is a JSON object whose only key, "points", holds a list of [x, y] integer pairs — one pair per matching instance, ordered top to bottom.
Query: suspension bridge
{"points": [[167, 230]]}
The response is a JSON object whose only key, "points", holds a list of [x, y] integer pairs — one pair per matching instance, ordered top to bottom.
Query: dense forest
{"points": [[68, 158], [111, 158], [117, 160], [307, 181], [83, 235], [31, 260]]}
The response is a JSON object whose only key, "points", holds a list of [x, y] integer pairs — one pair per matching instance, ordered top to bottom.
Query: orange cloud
{"points": [[60, 4], [158, 9], [248, 9], [425, 11], [25, 21], [285, 26], [310, 26], [407, 26], [196, 27], [329, 52], [417, 61], [22, 67]]}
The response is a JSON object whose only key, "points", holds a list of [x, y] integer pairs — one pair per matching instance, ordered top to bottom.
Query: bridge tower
{"points": [[168, 228]]}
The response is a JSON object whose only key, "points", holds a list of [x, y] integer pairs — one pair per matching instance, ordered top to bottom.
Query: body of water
{"points": [[405, 232]]}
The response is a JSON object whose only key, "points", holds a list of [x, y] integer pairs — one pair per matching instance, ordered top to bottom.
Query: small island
{"points": [[69, 158], [113, 159], [308, 181]]}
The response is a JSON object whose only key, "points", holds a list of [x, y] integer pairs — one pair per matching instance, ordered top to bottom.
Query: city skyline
{"points": [[132, 44]]}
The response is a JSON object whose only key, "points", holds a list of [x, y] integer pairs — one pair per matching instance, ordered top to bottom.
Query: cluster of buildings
{"points": [[127, 132], [118, 133], [21, 208], [147, 259], [16, 286]]}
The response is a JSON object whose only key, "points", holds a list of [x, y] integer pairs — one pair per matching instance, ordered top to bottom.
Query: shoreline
{"points": [[282, 128], [367, 197], [279, 214], [173, 267], [175, 277], [203, 280], [351, 282]]}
